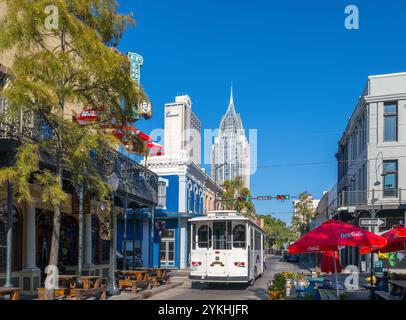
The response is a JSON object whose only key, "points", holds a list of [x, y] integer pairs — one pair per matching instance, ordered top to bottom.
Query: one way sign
{"points": [[372, 222]]}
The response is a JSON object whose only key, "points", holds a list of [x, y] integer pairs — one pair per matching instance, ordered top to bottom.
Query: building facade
{"points": [[182, 136], [231, 150], [372, 158], [185, 190], [181, 197], [321, 214], [32, 222]]}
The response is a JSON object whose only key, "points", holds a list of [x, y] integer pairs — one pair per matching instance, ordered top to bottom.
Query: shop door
{"points": [[167, 254]]}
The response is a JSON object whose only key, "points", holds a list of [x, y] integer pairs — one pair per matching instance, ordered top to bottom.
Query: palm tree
{"points": [[237, 197]]}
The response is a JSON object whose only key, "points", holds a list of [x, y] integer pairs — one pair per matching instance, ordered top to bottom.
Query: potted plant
{"points": [[301, 281]]}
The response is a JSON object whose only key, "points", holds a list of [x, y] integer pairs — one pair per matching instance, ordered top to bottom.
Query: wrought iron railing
{"points": [[134, 178], [372, 197]]}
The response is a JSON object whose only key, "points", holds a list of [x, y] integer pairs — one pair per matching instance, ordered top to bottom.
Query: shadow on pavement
{"points": [[219, 286]]}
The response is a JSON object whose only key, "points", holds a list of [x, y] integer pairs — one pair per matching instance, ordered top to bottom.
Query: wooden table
{"points": [[159, 271], [137, 274], [135, 279], [68, 281], [89, 282], [91, 287], [14, 293]]}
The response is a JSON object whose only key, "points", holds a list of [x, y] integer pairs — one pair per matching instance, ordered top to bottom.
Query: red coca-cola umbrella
{"points": [[88, 116], [120, 131], [155, 149], [333, 234], [396, 241], [328, 259]]}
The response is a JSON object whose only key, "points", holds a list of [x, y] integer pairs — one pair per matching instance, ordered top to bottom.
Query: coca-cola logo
{"points": [[354, 234], [313, 248]]}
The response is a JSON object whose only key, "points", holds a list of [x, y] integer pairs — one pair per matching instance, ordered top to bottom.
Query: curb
{"points": [[155, 291]]}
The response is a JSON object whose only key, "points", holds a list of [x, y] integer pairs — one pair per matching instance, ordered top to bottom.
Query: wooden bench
{"points": [[134, 284], [14, 293], [58, 293], [81, 294], [328, 294], [385, 296]]}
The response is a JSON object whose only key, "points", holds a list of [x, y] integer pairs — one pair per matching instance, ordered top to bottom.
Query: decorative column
{"points": [[9, 233], [30, 239], [88, 240], [30, 274]]}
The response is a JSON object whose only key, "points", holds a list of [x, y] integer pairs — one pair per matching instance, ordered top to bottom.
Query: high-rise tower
{"points": [[231, 150]]}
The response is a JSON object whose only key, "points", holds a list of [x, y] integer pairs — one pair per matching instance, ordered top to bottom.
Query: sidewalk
{"points": [[146, 293]]}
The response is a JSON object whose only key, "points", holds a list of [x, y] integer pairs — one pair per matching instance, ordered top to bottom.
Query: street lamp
{"points": [[126, 173], [79, 192], [112, 289]]}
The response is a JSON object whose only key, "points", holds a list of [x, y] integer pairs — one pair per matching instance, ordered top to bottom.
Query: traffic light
{"points": [[283, 197], [244, 199]]}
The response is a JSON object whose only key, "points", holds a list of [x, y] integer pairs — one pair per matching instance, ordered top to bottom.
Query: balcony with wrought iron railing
{"points": [[135, 179], [388, 197]]}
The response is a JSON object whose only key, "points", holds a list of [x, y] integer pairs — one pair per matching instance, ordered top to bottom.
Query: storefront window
{"points": [[17, 239], [68, 241], [68, 244]]}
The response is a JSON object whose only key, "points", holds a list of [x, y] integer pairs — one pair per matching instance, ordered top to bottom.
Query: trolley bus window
{"points": [[219, 235], [239, 236], [204, 237], [257, 240]]}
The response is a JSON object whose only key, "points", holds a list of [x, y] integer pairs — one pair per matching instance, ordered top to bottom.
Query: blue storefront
{"points": [[180, 197], [139, 250]]}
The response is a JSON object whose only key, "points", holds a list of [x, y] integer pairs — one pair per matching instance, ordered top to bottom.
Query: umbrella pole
{"points": [[335, 270]]}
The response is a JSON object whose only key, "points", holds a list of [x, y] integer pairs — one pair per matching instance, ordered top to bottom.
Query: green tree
{"points": [[74, 64], [234, 189], [304, 213], [277, 230]]}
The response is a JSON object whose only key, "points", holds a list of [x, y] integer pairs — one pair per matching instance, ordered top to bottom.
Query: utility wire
{"points": [[316, 163]]}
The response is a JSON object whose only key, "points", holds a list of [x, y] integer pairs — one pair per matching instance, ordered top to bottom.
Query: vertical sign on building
{"points": [[136, 61]]}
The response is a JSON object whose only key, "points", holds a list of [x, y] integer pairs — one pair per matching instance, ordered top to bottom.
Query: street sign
{"points": [[264, 198], [372, 222]]}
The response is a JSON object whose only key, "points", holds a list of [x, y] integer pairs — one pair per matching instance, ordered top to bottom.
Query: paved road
{"points": [[232, 291]]}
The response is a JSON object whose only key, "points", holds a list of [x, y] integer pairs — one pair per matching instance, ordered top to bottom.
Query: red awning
{"points": [[333, 234]]}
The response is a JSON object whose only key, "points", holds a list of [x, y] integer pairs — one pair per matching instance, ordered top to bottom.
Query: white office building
{"points": [[182, 137]]}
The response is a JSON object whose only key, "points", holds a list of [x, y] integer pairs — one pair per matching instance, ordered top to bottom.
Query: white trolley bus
{"points": [[226, 247]]}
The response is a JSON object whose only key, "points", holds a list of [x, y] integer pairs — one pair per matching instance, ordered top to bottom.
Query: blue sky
{"points": [[296, 71]]}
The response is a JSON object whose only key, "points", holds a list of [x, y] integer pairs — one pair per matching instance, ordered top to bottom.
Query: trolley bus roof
{"points": [[224, 215]]}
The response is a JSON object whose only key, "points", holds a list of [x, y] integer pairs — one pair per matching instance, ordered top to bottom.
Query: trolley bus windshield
{"points": [[219, 235]]}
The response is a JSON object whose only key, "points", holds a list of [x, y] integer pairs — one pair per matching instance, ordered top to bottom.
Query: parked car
{"points": [[293, 258]]}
